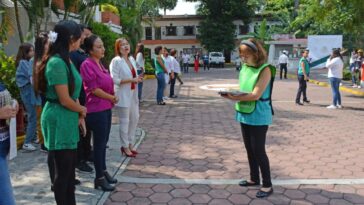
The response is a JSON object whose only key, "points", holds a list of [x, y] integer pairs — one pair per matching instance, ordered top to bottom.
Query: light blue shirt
{"points": [[23, 76], [262, 115]]}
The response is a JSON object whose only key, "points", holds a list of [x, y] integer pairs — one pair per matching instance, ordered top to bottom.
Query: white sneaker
{"points": [[341, 84], [354, 86], [359, 86], [165, 98], [339, 106], [331, 107], [29, 147]]}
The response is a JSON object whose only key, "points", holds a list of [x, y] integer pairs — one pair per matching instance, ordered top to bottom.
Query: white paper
{"points": [[13, 145]]}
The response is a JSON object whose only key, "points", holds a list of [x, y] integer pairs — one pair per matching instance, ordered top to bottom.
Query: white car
{"points": [[217, 59]]}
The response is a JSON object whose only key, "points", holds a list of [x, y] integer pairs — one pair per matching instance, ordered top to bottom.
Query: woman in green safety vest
{"points": [[254, 111]]}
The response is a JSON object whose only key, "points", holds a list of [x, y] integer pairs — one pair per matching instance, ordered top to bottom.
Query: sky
{"points": [[182, 8]]}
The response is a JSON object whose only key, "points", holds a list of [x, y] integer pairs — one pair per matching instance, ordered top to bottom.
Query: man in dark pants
{"points": [[283, 62], [303, 76], [84, 145]]}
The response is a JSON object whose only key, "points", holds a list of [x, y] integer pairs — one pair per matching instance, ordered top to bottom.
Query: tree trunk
{"points": [[296, 6], [16, 9], [165, 11], [49, 12]]}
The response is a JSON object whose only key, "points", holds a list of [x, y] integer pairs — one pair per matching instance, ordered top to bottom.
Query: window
{"points": [[243, 29], [189, 30], [171, 31], [148, 33], [157, 33]]}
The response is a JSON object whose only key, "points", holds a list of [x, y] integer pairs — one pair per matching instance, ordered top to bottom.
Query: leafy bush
{"points": [[108, 37], [149, 70], [346, 74], [7, 77]]}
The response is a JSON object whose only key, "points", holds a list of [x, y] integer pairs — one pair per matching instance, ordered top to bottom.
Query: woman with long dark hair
{"points": [[41, 47], [140, 63], [335, 65], [24, 72], [60, 82], [100, 99], [254, 111]]}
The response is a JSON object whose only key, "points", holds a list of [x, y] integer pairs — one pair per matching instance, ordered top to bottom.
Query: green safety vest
{"points": [[248, 77]]}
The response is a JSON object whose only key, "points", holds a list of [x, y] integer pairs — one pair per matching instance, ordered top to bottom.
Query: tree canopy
{"points": [[217, 31]]}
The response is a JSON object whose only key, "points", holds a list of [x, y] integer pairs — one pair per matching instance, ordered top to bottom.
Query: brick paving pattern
{"points": [[195, 137]]}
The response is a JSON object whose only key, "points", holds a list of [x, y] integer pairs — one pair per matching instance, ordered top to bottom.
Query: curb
{"points": [[324, 84]]}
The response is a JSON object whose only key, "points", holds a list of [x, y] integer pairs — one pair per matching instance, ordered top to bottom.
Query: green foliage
{"points": [[167, 4], [217, 28], [108, 37], [149, 70], [346, 74], [7, 76]]}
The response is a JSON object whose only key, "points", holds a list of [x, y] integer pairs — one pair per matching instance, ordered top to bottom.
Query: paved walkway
{"points": [[192, 152]]}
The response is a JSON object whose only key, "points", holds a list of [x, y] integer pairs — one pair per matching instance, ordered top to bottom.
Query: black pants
{"points": [[206, 65], [185, 67], [283, 68], [173, 82], [301, 89], [100, 125], [254, 141], [84, 147], [61, 164]]}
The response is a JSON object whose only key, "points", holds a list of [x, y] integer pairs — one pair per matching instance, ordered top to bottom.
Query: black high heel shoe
{"points": [[109, 178], [247, 183], [103, 184], [263, 194]]}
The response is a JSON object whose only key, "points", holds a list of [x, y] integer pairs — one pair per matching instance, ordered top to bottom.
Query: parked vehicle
{"points": [[216, 59], [238, 63]]}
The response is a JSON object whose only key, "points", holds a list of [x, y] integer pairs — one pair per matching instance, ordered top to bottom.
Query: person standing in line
{"points": [[40, 49], [185, 59], [205, 59], [196, 61], [168, 62], [352, 62], [140, 63], [283, 63], [358, 64], [335, 65], [176, 67], [160, 71], [24, 73], [124, 74], [303, 76], [100, 99], [6, 112], [254, 112], [62, 115], [84, 150]]}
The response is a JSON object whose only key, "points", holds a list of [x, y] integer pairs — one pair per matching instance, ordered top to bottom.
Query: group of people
{"points": [[185, 58], [356, 67], [167, 71], [66, 89]]}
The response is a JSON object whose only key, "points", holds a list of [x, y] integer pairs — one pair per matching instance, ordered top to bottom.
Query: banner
{"points": [[321, 46]]}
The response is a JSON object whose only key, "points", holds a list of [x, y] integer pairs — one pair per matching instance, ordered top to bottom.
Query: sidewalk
{"points": [[192, 152]]}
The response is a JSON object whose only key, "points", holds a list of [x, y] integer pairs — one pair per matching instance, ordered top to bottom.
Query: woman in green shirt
{"points": [[60, 82]]}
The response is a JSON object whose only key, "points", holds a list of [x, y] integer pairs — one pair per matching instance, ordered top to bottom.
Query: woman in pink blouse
{"points": [[100, 99]]}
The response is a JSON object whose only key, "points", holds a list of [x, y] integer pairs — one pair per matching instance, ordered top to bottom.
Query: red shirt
{"points": [[134, 76]]}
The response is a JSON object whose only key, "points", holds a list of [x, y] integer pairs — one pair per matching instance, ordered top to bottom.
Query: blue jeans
{"points": [[335, 84], [161, 85], [140, 87], [32, 116], [99, 124], [6, 190]]}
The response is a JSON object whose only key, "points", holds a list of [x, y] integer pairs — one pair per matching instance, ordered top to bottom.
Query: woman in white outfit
{"points": [[335, 65], [124, 73]]}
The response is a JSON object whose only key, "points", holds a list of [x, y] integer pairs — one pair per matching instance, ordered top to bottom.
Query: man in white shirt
{"points": [[185, 59], [168, 62], [283, 62]]}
